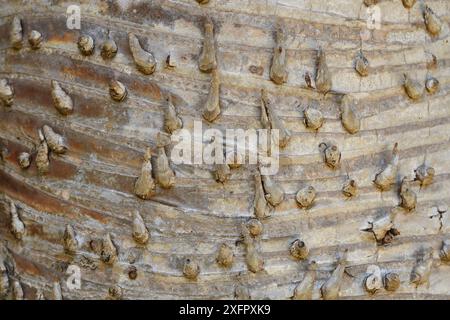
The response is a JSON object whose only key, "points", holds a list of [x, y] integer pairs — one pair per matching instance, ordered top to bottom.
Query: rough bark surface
{"points": [[90, 187]]}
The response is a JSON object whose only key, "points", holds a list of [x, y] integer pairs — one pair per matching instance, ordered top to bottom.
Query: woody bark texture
{"points": [[90, 187]]}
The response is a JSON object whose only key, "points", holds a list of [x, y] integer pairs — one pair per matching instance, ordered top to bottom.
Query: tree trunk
{"points": [[91, 186]]}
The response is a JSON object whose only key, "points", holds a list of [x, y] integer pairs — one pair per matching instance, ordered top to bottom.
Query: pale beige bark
{"points": [[91, 186]]}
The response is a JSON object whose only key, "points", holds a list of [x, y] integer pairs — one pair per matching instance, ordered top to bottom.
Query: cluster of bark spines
{"points": [[268, 194]]}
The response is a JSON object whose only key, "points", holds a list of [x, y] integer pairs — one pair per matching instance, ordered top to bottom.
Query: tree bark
{"points": [[91, 186]]}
